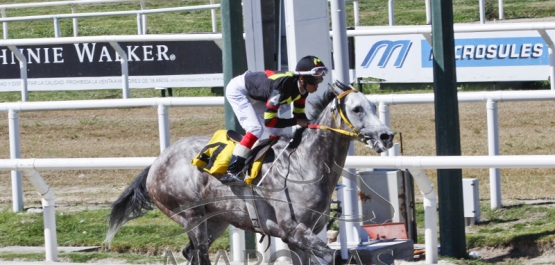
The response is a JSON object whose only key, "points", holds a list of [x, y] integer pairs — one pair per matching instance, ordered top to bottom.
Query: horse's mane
{"points": [[318, 104]]}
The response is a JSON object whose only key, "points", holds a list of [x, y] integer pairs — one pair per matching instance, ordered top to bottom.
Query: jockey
{"points": [[256, 97]]}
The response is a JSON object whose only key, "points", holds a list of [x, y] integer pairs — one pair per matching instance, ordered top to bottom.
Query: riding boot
{"points": [[236, 165], [234, 171]]}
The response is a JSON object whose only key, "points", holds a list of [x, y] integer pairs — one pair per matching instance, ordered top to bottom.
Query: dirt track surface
{"points": [[134, 133]]}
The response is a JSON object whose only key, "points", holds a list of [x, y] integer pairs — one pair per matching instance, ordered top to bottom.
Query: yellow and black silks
{"points": [[215, 156]]}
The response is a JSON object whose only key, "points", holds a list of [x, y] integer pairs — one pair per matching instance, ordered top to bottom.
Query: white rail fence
{"points": [[140, 14], [542, 29], [383, 101], [494, 161], [414, 164]]}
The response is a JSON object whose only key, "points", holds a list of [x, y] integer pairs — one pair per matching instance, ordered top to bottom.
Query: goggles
{"points": [[316, 71]]}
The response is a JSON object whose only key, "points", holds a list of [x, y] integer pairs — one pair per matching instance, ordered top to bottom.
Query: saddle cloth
{"points": [[215, 156]]}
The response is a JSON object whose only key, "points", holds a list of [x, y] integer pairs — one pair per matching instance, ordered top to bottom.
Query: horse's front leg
{"points": [[303, 238]]}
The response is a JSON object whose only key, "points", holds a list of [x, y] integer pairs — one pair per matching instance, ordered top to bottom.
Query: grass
{"points": [[103, 94], [133, 132], [145, 240]]}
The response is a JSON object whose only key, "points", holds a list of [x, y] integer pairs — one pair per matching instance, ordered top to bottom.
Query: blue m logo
{"points": [[390, 47]]}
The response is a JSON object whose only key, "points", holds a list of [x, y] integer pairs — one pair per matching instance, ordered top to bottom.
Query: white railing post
{"points": [[501, 10], [482, 11], [428, 12], [356, 13], [391, 13], [214, 20], [75, 23], [4, 24], [139, 24], [143, 24], [56, 27], [551, 51], [552, 67], [124, 68], [22, 71], [341, 73], [384, 118], [163, 127], [493, 150], [15, 152], [49, 213], [430, 213], [238, 238], [343, 238]]}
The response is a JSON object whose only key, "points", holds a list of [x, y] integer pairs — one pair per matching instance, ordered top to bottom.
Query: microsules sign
{"points": [[479, 57], [83, 66]]}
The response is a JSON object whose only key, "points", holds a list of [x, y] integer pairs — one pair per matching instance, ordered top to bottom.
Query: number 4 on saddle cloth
{"points": [[215, 156]]}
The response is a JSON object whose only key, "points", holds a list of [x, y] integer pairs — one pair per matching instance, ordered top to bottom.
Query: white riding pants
{"points": [[249, 112]]}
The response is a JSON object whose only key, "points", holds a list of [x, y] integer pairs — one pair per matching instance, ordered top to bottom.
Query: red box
{"points": [[386, 230]]}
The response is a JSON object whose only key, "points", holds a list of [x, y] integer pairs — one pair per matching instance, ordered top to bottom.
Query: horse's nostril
{"points": [[386, 136]]}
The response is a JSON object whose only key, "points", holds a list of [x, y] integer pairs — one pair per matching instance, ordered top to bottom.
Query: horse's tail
{"points": [[133, 203]]}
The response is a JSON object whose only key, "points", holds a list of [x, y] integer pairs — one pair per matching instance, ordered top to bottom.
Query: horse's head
{"points": [[359, 114]]}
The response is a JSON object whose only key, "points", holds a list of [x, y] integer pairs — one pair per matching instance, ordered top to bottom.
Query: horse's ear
{"points": [[342, 86], [338, 88], [335, 90]]}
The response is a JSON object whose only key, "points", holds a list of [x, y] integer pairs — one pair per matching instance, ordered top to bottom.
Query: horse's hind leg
{"points": [[215, 228], [187, 250]]}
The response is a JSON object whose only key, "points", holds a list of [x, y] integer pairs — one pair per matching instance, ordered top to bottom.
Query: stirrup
{"points": [[232, 179]]}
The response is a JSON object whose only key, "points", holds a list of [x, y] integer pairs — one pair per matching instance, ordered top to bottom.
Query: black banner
{"points": [[101, 60]]}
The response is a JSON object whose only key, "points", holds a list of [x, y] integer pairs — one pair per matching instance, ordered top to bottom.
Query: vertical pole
{"points": [[501, 10], [482, 11], [428, 12], [356, 13], [391, 13], [213, 15], [75, 23], [4, 24], [139, 24], [143, 24], [56, 27], [254, 43], [233, 51], [551, 52], [341, 59], [234, 60], [124, 68], [22, 71], [384, 117], [163, 127], [448, 143], [493, 150], [15, 152], [49, 214], [342, 224], [238, 244]]}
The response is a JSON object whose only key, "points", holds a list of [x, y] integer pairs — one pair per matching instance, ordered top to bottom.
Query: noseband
{"points": [[341, 109]]}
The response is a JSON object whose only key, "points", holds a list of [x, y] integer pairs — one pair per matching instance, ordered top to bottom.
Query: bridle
{"points": [[339, 100]]}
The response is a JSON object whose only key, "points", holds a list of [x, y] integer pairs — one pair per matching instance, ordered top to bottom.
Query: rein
{"points": [[354, 132]]}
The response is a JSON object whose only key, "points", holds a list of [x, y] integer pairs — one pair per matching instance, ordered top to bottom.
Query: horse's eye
{"points": [[357, 109]]}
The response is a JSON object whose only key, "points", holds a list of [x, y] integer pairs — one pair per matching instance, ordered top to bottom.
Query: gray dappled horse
{"points": [[292, 201]]}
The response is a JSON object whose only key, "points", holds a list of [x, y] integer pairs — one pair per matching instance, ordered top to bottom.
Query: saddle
{"points": [[215, 156]]}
